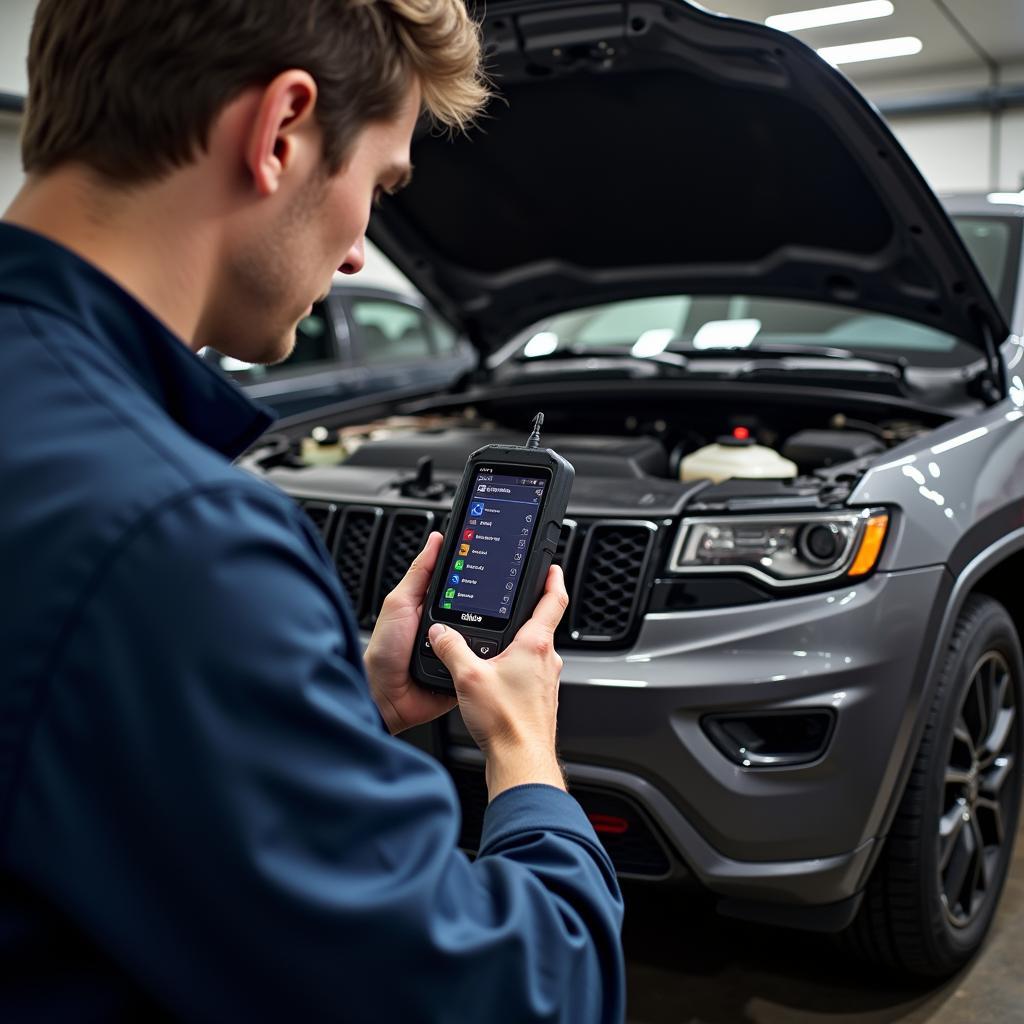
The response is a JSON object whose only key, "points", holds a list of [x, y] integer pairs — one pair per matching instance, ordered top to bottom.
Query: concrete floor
{"points": [[686, 965]]}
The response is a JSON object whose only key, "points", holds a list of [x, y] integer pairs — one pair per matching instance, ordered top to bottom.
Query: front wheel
{"points": [[935, 889]]}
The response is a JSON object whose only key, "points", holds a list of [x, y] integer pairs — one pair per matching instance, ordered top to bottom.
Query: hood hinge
{"points": [[992, 381]]}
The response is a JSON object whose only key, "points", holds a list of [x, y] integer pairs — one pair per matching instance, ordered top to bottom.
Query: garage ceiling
{"points": [[996, 26]]}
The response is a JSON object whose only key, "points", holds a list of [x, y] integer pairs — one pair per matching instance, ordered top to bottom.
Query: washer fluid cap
{"points": [[718, 462]]}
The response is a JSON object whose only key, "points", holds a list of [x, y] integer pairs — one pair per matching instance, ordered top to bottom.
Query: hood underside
{"points": [[649, 148]]}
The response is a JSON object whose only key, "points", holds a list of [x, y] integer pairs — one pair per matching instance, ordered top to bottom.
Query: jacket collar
{"points": [[36, 271]]}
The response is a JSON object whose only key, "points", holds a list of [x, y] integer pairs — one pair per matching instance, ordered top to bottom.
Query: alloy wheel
{"points": [[978, 790]]}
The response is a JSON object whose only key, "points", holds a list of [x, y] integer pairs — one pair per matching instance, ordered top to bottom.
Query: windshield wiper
{"points": [[773, 351], [675, 361], [753, 362]]}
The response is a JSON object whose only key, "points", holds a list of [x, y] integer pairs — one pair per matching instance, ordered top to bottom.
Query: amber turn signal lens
{"points": [[870, 545]]}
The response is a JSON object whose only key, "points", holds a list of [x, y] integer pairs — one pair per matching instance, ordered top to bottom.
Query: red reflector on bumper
{"points": [[609, 824]]}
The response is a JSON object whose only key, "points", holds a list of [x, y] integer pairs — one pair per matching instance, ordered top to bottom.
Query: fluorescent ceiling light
{"points": [[830, 15], [902, 46], [1007, 198], [727, 334], [652, 343]]}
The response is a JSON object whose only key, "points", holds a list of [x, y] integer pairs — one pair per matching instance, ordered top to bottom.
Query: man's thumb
{"points": [[451, 647]]}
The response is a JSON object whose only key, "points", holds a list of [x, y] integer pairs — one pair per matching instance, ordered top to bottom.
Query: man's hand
{"points": [[402, 702], [510, 703]]}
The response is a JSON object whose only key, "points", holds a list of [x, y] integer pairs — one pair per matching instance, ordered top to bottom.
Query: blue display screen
{"points": [[491, 550]]}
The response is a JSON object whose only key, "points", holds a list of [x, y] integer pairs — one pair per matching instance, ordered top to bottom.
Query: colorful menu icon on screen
{"points": [[463, 550], [449, 593]]}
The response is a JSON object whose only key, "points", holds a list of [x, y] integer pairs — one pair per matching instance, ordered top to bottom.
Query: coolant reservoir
{"points": [[731, 457]]}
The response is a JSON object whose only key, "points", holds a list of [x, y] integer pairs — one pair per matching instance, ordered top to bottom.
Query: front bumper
{"points": [[630, 723]]}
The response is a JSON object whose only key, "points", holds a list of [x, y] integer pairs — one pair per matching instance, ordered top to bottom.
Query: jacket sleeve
{"points": [[209, 793]]}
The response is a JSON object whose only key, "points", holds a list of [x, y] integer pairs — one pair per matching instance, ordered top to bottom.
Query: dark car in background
{"points": [[359, 341], [790, 382]]}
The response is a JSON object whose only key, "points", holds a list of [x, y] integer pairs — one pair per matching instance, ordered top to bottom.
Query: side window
{"points": [[988, 242], [390, 332], [444, 336], [313, 339], [314, 345]]}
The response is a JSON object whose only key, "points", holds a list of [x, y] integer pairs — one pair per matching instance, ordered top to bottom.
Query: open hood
{"points": [[654, 147]]}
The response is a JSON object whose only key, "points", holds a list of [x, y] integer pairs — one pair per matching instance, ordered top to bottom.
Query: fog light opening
{"points": [[772, 739]]}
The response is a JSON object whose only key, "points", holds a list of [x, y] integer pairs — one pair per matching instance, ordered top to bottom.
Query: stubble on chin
{"points": [[278, 351]]}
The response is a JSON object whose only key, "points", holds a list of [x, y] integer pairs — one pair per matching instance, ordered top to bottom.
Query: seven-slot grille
{"points": [[324, 514], [404, 537], [354, 543], [606, 564], [610, 580]]}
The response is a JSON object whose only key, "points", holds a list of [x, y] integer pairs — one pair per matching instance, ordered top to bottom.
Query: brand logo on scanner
{"points": [[470, 617]]}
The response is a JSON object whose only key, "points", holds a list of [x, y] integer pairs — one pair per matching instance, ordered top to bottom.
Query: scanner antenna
{"points": [[538, 422]]}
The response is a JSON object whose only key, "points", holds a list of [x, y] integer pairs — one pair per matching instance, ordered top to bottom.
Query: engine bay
{"points": [[653, 462]]}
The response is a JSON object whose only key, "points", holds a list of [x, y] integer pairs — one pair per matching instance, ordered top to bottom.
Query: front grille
{"points": [[324, 514], [404, 537], [354, 542], [605, 563], [609, 580], [624, 830]]}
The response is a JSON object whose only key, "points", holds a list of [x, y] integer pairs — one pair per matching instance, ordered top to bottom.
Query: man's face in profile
{"points": [[285, 260]]}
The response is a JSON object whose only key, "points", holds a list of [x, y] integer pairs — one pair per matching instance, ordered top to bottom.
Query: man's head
{"points": [[296, 114]]}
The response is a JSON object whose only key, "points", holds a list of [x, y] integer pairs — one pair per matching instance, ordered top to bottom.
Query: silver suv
{"points": [[790, 384]]}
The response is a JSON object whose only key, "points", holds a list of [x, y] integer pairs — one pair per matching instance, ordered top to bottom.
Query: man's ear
{"points": [[274, 134]]}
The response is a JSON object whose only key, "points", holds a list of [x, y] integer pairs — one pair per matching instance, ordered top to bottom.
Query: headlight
{"points": [[783, 550]]}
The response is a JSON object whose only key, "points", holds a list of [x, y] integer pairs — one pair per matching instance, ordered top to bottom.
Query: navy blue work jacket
{"points": [[201, 814]]}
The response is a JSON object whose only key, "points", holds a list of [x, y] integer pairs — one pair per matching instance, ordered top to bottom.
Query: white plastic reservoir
{"points": [[730, 457]]}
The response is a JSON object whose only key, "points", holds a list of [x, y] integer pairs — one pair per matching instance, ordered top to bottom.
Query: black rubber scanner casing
{"points": [[426, 668]]}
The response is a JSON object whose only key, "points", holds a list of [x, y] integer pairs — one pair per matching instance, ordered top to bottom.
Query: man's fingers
{"points": [[417, 578], [551, 607], [451, 647]]}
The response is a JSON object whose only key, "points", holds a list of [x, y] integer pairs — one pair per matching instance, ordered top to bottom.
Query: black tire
{"points": [[917, 918]]}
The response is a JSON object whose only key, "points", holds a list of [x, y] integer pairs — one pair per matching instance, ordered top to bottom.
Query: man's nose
{"points": [[355, 258]]}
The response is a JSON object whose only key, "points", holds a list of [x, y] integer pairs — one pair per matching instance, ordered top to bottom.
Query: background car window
{"points": [[988, 241], [390, 332], [445, 336], [313, 339], [314, 344]]}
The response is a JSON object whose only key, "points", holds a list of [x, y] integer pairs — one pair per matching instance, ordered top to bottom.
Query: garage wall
{"points": [[15, 25], [954, 150], [959, 151], [10, 159]]}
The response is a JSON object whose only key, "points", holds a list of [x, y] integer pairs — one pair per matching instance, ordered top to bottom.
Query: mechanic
{"points": [[203, 812]]}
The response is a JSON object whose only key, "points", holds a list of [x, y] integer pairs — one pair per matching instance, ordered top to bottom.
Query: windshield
{"points": [[674, 323]]}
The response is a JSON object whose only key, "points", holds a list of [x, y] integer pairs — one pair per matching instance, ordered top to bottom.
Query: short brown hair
{"points": [[132, 87]]}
